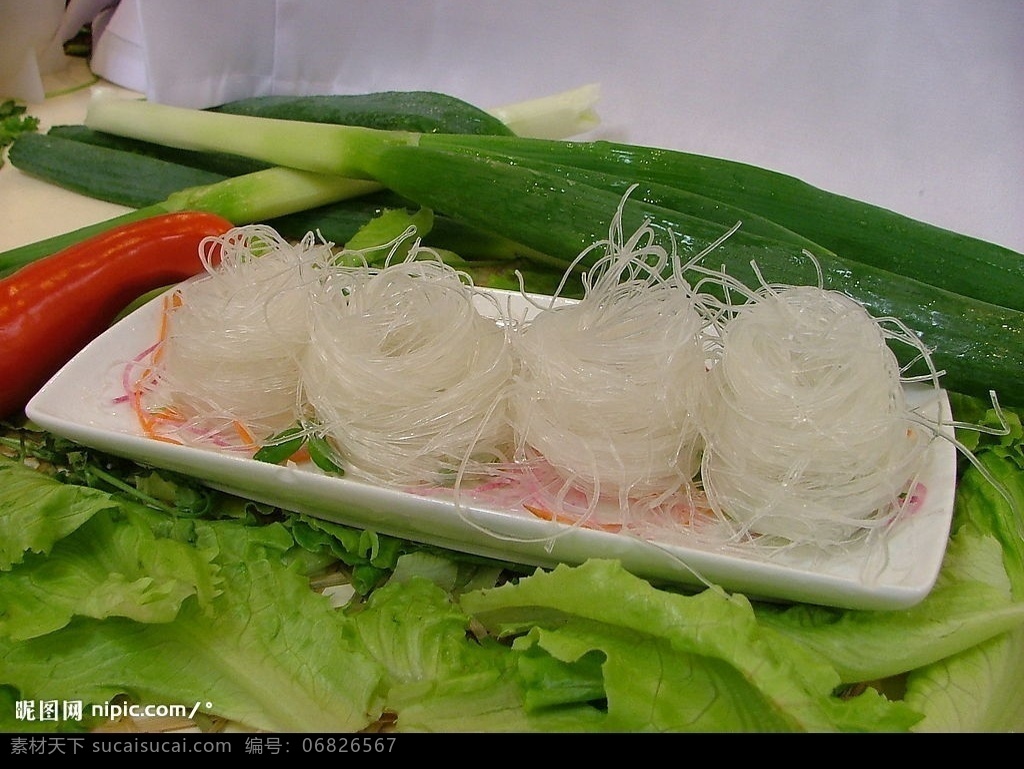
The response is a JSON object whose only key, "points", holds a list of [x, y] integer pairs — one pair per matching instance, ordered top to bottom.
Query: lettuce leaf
{"points": [[38, 512], [369, 556], [117, 564], [100, 597], [970, 604], [262, 649], [673, 662], [438, 677], [978, 690]]}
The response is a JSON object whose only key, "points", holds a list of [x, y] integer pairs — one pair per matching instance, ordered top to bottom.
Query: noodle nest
{"points": [[229, 361], [405, 376], [808, 433]]}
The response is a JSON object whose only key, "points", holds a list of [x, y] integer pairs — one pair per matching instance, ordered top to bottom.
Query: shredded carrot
{"points": [[171, 302], [151, 421], [245, 435], [301, 455], [547, 515]]}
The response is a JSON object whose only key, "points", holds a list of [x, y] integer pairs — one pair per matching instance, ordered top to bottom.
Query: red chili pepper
{"points": [[52, 308]]}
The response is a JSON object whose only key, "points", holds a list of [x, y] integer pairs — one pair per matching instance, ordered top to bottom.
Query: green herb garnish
{"points": [[14, 121]]}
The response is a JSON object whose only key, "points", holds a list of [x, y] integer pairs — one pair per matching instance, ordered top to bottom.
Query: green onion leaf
{"points": [[281, 446], [322, 455]]}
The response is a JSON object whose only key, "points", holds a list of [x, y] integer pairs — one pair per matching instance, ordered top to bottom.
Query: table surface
{"points": [[31, 209]]}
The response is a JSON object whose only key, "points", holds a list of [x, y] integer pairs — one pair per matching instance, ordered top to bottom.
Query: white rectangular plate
{"points": [[81, 403]]}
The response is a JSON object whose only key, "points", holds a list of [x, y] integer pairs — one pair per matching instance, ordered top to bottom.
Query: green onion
{"points": [[557, 116], [317, 147], [267, 194], [242, 200], [853, 229], [978, 344]]}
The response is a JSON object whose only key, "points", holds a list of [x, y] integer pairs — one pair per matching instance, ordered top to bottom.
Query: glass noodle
{"points": [[774, 416]]}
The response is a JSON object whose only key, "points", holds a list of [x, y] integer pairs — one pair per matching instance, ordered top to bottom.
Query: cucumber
{"points": [[419, 111], [215, 162], [116, 176], [853, 229], [980, 345]]}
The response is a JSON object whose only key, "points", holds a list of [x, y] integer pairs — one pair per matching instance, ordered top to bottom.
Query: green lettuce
{"points": [[38, 512], [369, 556], [107, 570], [101, 597], [969, 605], [962, 648], [261, 649], [673, 662], [438, 677], [979, 689]]}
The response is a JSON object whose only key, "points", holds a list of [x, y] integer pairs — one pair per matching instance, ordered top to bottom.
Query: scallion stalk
{"points": [[558, 116], [317, 147], [278, 192], [269, 193], [242, 199]]}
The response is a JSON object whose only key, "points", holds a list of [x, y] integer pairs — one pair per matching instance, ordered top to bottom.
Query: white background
{"points": [[915, 105]]}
